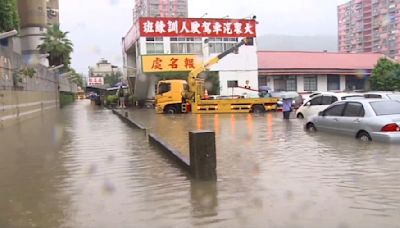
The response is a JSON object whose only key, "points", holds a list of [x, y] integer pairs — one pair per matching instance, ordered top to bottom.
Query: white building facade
{"points": [[200, 38]]}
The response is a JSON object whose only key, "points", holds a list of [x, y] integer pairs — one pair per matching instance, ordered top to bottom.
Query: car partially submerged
{"points": [[321, 101], [364, 119]]}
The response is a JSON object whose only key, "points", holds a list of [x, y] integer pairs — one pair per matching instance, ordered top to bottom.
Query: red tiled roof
{"points": [[316, 60]]}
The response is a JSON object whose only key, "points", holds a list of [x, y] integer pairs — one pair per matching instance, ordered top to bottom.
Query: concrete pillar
{"points": [[322, 81], [342, 82], [300, 83], [203, 161]]}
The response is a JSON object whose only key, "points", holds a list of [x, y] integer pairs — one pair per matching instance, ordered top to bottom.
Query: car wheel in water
{"points": [[258, 109], [170, 110], [300, 116], [311, 127], [364, 137]]}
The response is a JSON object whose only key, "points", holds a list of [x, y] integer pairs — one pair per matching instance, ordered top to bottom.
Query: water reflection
{"points": [[84, 167], [30, 174]]}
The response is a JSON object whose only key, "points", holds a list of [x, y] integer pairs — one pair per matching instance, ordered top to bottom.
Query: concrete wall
{"points": [[22, 97], [16, 106]]}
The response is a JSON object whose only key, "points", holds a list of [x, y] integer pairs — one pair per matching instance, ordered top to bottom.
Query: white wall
{"points": [[142, 45], [245, 60], [241, 77]]}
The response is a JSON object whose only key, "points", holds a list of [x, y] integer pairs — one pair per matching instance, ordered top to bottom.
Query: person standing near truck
{"points": [[121, 96], [286, 107]]}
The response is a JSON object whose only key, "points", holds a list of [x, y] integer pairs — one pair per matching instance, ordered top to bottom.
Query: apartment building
{"points": [[160, 8], [369, 26]]}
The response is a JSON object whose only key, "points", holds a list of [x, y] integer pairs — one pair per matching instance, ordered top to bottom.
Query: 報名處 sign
{"points": [[168, 63]]}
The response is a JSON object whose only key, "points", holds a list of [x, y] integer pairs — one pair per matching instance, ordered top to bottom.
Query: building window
{"points": [[154, 45], [186, 45], [219, 45], [262, 80], [333, 82], [285, 83], [310, 83], [232, 84], [291, 85]]}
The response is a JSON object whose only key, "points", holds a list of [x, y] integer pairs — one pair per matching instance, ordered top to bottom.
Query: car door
{"points": [[324, 103], [311, 108], [352, 117], [329, 119]]}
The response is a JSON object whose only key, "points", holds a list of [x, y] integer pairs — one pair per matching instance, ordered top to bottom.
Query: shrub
{"points": [[111, 100]]}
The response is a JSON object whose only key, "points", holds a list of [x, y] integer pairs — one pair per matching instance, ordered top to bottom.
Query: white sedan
{"points": [[321, 101]]}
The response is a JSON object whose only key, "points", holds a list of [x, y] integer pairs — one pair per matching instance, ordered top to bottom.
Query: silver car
{"points": [[364, 119]]}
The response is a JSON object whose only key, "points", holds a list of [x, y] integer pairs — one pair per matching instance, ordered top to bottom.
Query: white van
{"points": [[321, 101]]}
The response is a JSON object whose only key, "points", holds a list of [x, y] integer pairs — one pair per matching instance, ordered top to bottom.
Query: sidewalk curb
{"points": [[154, 140]]}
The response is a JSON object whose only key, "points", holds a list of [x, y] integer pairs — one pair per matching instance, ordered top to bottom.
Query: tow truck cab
{"points": [[169, 95]]}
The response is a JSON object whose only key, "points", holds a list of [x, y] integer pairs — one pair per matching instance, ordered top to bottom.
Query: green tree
{"points": [[9, 18], [58, 46], [385, 75], [77, 78], [113, 78], [212, 83]]}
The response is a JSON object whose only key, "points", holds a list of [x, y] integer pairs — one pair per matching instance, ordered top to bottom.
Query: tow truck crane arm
{"points": [[193, 75]]}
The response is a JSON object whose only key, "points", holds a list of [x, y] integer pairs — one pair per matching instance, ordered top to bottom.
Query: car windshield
{"points": [[382, 108]]}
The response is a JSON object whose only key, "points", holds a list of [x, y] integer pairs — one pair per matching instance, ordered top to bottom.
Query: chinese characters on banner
{"points": [[196, 27], [166, 63], [95, 81]]}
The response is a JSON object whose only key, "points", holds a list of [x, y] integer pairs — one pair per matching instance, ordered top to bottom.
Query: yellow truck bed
{"points": [[242, 105]]}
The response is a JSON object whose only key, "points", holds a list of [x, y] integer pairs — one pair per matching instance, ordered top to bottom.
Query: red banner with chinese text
{"points": [[196, 27]]}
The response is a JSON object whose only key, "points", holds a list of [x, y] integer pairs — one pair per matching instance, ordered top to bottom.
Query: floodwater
{"points": [[84, 167]]}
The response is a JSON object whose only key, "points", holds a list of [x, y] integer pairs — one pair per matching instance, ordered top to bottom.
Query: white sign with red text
{"points": [[95, 81]]}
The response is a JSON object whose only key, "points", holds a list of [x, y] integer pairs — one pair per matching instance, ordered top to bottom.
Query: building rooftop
{"points": [[316, 60]]}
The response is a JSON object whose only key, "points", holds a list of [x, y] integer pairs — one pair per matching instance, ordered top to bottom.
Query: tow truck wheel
{"points": [[258, 109], [170, 110]]}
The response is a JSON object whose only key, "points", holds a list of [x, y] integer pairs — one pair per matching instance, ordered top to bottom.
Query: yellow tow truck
{"points": [[180, 96]]}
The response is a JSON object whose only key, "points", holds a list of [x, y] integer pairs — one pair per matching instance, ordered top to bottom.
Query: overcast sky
{"points": [[97, 26]]}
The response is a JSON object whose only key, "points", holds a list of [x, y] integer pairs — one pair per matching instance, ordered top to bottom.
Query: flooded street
{"points": [[83, 167]]}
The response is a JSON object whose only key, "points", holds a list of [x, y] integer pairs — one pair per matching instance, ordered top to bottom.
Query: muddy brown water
{"points": [[83, 167]]}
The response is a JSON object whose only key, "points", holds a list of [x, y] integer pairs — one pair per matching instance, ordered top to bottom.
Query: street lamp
{"points": [[205, 14]]}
